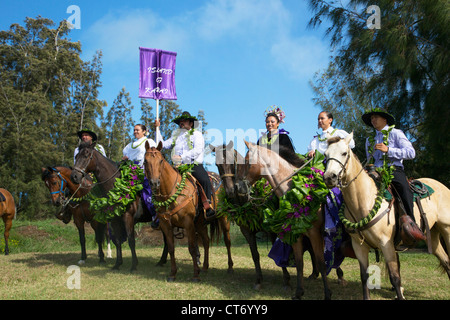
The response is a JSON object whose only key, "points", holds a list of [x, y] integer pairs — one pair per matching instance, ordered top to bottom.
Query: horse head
{"points": [[337, 157], [226, 160], [84, 162], [153, 165], [55, 183]]}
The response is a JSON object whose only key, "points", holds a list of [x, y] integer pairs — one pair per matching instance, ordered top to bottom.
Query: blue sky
{"points": [[235, 58]]}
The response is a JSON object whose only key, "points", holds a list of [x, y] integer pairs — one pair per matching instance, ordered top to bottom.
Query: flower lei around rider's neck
{"points": [[188, 139], [325, 139], [385, 171], [125, 190]]}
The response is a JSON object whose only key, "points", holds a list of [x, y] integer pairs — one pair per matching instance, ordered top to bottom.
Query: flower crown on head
{"points": [[277, 110]]}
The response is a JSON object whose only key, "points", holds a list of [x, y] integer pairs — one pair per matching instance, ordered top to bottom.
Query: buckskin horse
{"points": [[227, 160], [264, 163], [105, 170], [57, 180], [360, 192], [178, 195], [8, 213]]}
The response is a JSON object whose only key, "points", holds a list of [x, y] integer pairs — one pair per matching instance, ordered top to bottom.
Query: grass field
{"points": [[42, 251]]}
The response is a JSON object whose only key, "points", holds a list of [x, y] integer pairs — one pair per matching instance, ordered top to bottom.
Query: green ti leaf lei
{"points": [[188, 139], [184, 170], [385, 171], [125, 190], [297, 209], [250, 214]]}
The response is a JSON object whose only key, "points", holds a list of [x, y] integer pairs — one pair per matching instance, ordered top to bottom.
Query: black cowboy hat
{"points": [[185, 115], [389, 117], [91, 133]]}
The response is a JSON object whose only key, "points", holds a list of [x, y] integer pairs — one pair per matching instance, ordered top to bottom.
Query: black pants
{"points": [[201, 175], [401, 188]]}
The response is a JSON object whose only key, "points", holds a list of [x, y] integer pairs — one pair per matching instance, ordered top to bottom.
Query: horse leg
{"points": [[7, 220], [79, 223], [225, 225], [129, 226], [99, 229], [117, 230], [168, 235], [251, 240], [205, 241], [192, 244], [317, 245], [308, 247], [438, 249], [298, 254], [362, 254], [163, 260], [393, 265]]}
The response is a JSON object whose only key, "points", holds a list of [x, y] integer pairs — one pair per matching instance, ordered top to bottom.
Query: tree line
{"points": [[402, 66], [47, 94]]}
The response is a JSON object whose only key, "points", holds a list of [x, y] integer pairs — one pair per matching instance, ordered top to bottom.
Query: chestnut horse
{"points": [[227, 160], [264, 163], [105, 170], [57, 180], [360, 193], [183, 209], [8, 213]]}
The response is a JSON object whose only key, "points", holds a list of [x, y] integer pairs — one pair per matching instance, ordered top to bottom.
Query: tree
{"points": [[409, 59]]}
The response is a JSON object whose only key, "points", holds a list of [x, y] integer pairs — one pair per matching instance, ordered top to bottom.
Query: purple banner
{"points": [[157, 74]]}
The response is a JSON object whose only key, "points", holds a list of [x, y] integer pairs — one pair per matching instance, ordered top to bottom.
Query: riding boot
{"points": [[410, 232]]}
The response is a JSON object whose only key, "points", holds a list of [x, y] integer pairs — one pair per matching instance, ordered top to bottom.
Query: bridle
{"points": [[161, 167], [343, 169]]}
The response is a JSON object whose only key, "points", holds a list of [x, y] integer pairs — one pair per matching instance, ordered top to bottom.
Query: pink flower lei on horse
{"points": [[277, 110]]}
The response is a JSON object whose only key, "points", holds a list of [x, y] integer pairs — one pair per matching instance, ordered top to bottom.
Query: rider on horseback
{"points": [[90, 137], [395, 145], [188, 148]]}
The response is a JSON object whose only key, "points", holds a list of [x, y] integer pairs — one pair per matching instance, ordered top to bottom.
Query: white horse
{"points": [[359, 192]]}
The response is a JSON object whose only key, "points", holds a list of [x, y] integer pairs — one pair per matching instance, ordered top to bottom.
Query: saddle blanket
{"points": [[420, 190]]}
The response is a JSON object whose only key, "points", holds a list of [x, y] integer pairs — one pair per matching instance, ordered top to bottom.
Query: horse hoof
{"points": [[116, 268], [171, 279], [342, 282]]}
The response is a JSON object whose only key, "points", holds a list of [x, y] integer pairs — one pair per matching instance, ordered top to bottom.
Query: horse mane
{"points": [[332, 140], [290, 156]]}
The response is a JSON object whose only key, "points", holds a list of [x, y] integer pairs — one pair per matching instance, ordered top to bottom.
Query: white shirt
{"points": [[322, 146], [98, 147], [135, 151], [188, 154]]}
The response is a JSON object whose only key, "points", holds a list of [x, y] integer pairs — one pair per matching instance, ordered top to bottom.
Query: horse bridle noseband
{"points": [[343, 170]]}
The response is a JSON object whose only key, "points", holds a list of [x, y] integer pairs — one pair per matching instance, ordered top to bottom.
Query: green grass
{"points": [[37, 269]]}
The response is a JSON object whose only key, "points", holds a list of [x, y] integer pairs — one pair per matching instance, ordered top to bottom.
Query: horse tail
{"points": [[215, 231]]}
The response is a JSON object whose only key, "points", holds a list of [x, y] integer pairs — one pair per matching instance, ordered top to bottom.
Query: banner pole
{"points": [[157, 118]]}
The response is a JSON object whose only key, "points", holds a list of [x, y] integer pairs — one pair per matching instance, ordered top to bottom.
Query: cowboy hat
{"points": [[377, 111], [184, 116], [91, 133]]}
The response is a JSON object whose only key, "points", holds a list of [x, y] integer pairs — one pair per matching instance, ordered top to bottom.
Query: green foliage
{"points": [[405, 65], [125, 190], [297, 209]]}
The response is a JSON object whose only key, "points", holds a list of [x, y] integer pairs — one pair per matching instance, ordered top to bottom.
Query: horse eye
{"points": [[344, 154]]}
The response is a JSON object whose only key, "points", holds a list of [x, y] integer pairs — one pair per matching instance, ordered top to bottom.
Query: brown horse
{"points": [[227, 161], [262, 162], [105, 170], [57, 180], [183, 209], [8, 213]]}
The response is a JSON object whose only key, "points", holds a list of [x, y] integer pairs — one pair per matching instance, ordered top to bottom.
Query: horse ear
{"points": [[349, 138], [93, 144], [230, 144], [249, 144], [147, 145], [160, 146], [213, 149], [43, 170]]}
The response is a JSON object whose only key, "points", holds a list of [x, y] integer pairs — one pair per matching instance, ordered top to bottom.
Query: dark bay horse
{"points": [[227, 161], [264, 163], [105, 170], [57, 180], [182, 208], [8, 213]]}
